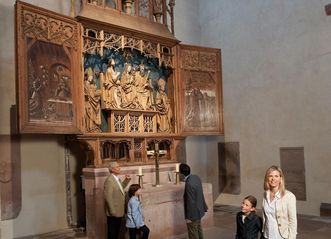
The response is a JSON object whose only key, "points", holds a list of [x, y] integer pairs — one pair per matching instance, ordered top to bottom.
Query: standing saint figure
{"points": [[112, 87], [143, 87], [129, 93], [35, 100], [92, 103], [163, 106]]}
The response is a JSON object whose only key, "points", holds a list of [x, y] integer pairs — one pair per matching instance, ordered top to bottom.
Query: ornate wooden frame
{"points": [[200, 90], [49, 92]]}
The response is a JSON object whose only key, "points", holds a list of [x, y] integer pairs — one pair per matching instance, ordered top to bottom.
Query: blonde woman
{"points": [[278, 207]]}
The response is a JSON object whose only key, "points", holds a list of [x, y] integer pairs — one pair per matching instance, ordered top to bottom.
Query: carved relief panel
{"points": [[48, 47], [128, 84], [200, 92]]}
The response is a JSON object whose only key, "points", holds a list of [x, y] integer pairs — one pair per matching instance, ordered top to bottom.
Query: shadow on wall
{"points": [[77, 161], [229, 168], [10, 171]]}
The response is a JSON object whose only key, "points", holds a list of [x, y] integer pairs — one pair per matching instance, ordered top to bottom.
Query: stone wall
{"points": [[276, 81]]}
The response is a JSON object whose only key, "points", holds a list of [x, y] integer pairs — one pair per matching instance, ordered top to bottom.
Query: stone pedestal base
{"points": [[162, 206], [164, 210]]}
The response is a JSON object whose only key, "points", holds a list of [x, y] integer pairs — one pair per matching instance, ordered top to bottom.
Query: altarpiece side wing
{"points": [[48, 60], [200, 91]]}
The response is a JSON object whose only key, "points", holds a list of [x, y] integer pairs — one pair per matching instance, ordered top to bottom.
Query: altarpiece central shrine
{"points": [[116, 80]]}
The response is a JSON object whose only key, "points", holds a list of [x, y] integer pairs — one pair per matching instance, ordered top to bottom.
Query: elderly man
{"points": [[115, 200]]}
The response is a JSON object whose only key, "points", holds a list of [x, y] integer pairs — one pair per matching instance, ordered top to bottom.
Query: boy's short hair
{"points": [[184, 169], [252, 200]]}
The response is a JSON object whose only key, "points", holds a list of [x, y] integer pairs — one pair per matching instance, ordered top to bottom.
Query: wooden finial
{"points": [[72, 8]]}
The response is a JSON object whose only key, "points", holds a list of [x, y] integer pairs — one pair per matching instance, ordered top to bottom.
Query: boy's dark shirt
{"points": [[251, 228]]}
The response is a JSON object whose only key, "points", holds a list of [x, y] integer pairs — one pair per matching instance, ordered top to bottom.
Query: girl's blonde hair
{"points": [[282, 179]]}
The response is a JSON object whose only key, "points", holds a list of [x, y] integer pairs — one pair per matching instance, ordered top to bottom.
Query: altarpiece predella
{"points": [[116, 78]]}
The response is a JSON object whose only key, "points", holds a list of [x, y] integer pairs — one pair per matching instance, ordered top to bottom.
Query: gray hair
{"points": [[113, 164]]}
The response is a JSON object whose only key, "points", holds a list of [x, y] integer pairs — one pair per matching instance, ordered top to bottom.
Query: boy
{"points": [[249, 224]]}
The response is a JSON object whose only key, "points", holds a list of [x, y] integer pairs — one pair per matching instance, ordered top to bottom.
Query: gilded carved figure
{"points": [[112, 87], [144, 89], [129, 97], [92, 103], [163, 106]]}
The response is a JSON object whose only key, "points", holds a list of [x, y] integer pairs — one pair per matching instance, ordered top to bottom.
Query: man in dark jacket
{"points": [[194, 202]]}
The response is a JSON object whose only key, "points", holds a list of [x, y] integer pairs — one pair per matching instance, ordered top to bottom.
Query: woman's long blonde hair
{"points": [[282, 179]]}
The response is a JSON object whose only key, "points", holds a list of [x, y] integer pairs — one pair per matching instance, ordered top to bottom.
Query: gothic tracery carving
{"points": [[42, 27], [95, 41], [195, 60]]}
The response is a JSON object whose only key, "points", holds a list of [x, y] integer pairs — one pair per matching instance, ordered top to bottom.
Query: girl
{"points": [[135, 219]]}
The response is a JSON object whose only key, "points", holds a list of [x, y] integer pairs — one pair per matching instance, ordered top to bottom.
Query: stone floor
{"points": [[224, 227]]}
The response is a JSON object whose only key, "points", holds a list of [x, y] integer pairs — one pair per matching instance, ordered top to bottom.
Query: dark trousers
{"points": [[113, 227], [144, 229], [194, 230]]}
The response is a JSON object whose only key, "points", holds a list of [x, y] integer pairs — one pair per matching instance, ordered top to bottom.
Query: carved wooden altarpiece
{"points": [[116, 78]]}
